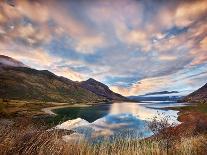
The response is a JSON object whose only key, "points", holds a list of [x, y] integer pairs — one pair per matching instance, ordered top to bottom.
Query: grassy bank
{"points": [[199, 107], [13, 108], [29, 110], [44, 111]]}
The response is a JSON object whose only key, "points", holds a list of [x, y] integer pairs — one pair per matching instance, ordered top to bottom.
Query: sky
{"points": [[133, 46]]}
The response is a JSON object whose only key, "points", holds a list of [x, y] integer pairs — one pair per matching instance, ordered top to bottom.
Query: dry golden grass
{"points": [[22, 136], [29, 140]]}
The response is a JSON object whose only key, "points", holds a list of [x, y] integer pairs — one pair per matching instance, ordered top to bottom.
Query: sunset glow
{"points": [[134, 47]]}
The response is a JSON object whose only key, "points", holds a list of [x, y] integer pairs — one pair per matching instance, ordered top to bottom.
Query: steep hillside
{"points": [[8, 61], [30, 84], [101, 89], [199, 95]]}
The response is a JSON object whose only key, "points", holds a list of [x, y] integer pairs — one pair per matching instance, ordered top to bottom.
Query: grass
{"points": [[15, 107], [202, 108], [12, 109], [33, 109], [22, 135], [29, 138], [30, 141]]}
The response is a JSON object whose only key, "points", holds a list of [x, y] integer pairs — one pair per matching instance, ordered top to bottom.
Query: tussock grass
{"points": [[22, 137], [33, 141]]}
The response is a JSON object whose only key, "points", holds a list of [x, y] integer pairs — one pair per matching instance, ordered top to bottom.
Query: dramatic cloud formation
{"points": [[133, 46]]}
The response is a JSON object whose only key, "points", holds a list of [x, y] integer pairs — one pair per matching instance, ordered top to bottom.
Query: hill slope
{"points": [[8, 61], [20, 82], [30, 84], [101, 89], [199, 95]]}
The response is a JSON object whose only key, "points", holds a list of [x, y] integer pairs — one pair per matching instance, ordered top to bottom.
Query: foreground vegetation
{"points": [[20, 133], [30, 138], [42, 142]]}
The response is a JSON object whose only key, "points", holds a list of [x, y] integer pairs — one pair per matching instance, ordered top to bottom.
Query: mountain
{"points": [[8, 61], [17, 81], [29, 84], [101, 89], [162, 93], [199, 95], [157, 96], [154, 98]]}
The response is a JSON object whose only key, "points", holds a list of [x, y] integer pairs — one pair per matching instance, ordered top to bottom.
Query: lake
{"points": [[118, 119]]}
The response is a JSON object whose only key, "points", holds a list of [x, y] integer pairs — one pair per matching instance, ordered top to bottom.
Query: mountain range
{"points": [[18, 81], [21, 82], [162, 93], [157, 96], [198, 96], [154, 98]]}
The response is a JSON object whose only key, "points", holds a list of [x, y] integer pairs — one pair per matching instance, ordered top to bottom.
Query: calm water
{"points": [[88, 113], [116, 119]]}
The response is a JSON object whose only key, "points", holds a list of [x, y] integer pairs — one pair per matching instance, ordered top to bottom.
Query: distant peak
{"points": [[9, 61], [91, 79], [162, 93]]}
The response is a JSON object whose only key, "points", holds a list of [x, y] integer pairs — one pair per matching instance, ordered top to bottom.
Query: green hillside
{"points": [[29, 84]]}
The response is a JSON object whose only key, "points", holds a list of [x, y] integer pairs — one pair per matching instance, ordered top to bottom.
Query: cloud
{"points": [[42, 14], [184, 17], [85, 40], [86, 45], [133, 46], [167, 57], [37, 58], [40, 59], [69, 73], [145, 85]]}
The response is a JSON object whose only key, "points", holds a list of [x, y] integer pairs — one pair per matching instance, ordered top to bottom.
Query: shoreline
{"points": [[49, 111], [184, 116]]}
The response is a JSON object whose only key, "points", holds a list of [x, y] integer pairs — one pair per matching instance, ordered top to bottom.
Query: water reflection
{"points": [[142, 112], [121, 119]]}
